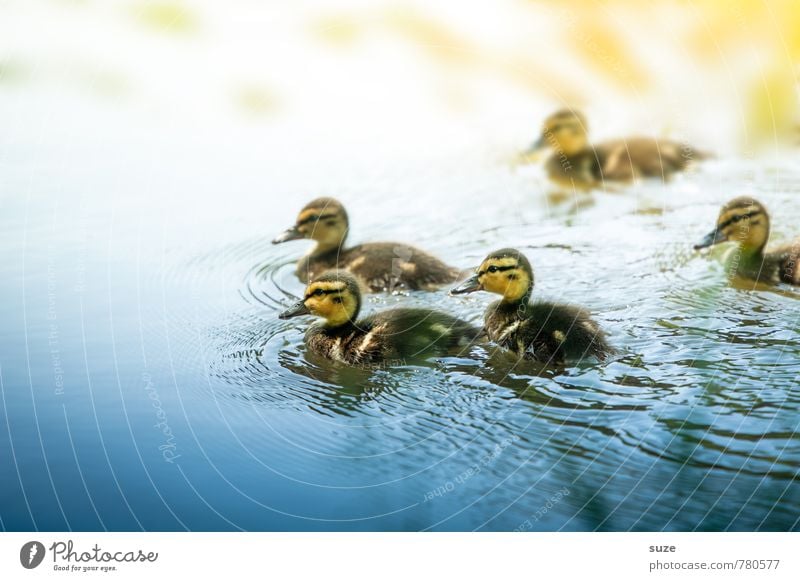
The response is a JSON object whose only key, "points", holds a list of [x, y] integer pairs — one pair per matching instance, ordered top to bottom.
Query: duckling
{"points": [[577, 163], [745, 222], [381, 266], [543, 331], [395, 334]]}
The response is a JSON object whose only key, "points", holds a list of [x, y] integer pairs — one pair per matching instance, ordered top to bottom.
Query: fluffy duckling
{"points": [[578, 163], [745, 222], [381, 266], [544, 331], [395, 334]]}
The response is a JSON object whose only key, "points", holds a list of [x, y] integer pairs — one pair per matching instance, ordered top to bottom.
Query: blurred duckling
{"points": [[578, 163], [745, 222], [381, 266], [544, 331], [395, 334]]}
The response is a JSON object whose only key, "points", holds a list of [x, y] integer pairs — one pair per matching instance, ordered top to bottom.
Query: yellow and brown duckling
{"points": [[578, 163], [745, 222], [381, 266], [544, 331], [392, 335]]}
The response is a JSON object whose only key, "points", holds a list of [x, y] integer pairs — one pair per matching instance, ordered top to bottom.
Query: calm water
{"points": [[147, 384]]}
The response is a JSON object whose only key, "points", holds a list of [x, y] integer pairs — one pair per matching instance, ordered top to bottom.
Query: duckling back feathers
{"points": [[624, 160], [382, 266], [545, 331], [392, 335]]}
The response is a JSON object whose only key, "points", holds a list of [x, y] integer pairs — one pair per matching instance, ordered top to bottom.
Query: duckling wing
{"points": [[625, 158], [614, 161], [388, 266], [553, 331], [413, 332], [352, 344]]}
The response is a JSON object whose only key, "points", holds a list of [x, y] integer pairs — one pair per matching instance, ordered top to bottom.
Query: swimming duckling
{"points": [[577, 163], [745, 221], [382, 266], [544, 331], [395, 334]]}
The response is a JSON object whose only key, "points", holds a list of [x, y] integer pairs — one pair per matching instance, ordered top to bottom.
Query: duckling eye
{"points": [[492, 269], [319, 292], [337, 300]]}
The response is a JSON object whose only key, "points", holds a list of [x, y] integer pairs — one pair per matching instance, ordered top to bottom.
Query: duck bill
{"points": [[537, 146], [291, 234], [712, 238], [470, 285], [296, 310]]}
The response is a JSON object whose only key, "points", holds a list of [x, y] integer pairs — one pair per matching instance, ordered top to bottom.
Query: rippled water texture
{"points": [[146, 382]]}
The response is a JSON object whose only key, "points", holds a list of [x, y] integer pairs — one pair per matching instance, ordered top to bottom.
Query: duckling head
{"points": [[565, 131], [323, 220], [742, 220], [505, 272], [335, 296]]}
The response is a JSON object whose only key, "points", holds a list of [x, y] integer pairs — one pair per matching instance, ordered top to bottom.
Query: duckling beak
{"points": [[540, 143], [537, 146], [291, 234], [713, 237], [470, 285], [297, 309]]}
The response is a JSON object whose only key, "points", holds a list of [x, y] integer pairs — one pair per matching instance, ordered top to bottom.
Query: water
{"points": [[147, 384]]}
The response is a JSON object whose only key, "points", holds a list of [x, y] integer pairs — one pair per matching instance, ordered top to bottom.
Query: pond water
{"points": [[148, 384]]}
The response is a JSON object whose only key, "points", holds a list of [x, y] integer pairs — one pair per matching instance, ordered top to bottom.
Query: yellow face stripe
{"points": [[307, 214], [315, 214]]}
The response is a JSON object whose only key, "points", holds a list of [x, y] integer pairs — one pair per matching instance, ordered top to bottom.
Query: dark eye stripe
{"points": [[315, 218], [738, 218], [499, 269], [324, 292]]}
